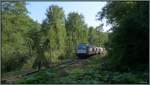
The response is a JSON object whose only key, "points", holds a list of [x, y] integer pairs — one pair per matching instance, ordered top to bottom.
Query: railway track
{"points": [[69, 62], [62, 65], [58, 66]]}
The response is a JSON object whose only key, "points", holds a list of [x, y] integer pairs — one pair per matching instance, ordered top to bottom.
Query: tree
{"points": [[15, 25], [54, 29], [76, 32], [91, 37], [96, 37], [102, 37], [129, 39], [39, 48]]}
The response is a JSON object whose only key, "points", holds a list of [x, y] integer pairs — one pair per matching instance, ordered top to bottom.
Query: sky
{"points": [[89, 10]]}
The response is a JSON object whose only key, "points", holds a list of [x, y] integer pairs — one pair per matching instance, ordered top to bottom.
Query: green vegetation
{"points": [[15, 27], [76, 32], [55, 39], [129, 39], [28, 45], [88, 71]]}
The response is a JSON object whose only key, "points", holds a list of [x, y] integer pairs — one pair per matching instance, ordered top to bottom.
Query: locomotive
{"points": [[85, 50]]}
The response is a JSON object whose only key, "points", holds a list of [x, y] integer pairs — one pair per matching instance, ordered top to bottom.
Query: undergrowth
{"points": [[89, 72]]}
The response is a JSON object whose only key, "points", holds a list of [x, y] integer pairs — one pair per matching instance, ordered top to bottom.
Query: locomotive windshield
{"points": [[82, 47]]}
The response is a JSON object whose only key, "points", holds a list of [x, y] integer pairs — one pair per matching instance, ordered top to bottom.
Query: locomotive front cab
{"points": [[82, 51]]}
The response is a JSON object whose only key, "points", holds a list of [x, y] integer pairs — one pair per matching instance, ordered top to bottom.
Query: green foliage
{"points": [[15, 25], [76, 32], [55, 33], [97, 37], [129, 38], [24, 40], [26, 44], [39, 49], [85, 75], [40, 78]]}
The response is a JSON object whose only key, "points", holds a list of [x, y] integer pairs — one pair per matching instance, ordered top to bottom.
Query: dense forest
{"points": [[28, 45]]}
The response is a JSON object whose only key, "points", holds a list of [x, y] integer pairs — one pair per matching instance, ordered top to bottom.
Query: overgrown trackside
{"points": [[85, 71]]}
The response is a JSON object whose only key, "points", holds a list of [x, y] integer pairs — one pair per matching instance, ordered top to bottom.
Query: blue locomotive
{"points": [[84, 50]]}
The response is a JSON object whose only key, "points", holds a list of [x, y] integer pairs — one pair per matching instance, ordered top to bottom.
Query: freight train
{"points": [[85, 50]]}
